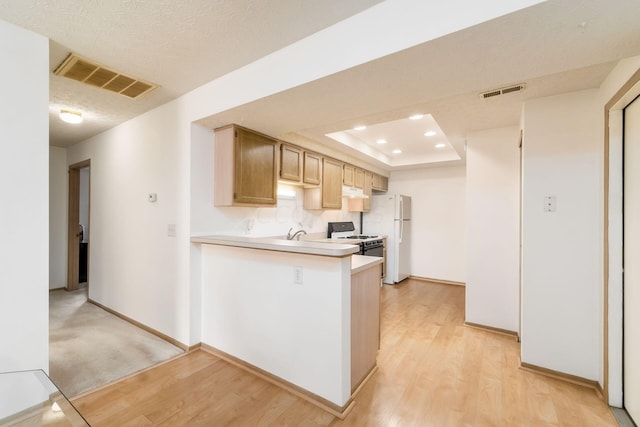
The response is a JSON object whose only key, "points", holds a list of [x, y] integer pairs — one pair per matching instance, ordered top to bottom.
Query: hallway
{"points": [[89, 347]]}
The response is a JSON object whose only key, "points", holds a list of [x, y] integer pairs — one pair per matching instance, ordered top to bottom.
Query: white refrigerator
{"points": [[390, 215]]}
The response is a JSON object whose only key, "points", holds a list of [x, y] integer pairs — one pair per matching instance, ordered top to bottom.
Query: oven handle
{"points": [[377, 245]]}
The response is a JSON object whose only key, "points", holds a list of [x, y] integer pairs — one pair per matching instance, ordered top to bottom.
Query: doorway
{"points": [[78, 225], [622, 252], [631, 260]]}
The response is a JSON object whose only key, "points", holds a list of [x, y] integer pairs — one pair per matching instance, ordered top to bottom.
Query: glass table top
{"points": [[30, 398]]}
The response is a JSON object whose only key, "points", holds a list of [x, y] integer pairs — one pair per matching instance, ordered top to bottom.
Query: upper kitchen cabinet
{"points": [[290, 163], [245, 165], [312, 168], [348, 175], [359, 179], [380, 183], [331, 184], [368, 186], [329, 194]]}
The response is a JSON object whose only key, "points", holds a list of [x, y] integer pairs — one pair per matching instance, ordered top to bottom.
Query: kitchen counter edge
{"points": [[281, 245], [362, 262]]}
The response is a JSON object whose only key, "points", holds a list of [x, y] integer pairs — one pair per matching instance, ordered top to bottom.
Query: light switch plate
{"points": [[550, 203], [297, 275]]}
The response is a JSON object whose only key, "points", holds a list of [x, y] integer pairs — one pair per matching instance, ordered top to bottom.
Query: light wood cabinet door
{"points": [[290, 163], [245, 168], [312, 168], [348, 175], [359, 179], [256, 180], [380, 183], [331, 184], [368, 184], [365, 323]]}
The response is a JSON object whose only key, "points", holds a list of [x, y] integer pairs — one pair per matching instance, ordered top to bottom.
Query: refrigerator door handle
{"points": [[401, 219]]}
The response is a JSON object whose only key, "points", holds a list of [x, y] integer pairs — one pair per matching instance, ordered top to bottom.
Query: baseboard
{"points": [[440, 281], [57, 289], [494, 330], [159, 334], [194, 347], [564, 377], [364, 381], [332, 408]]}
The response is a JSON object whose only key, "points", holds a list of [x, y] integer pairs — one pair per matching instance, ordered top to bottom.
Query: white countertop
{"points": [[282, 245], [362, 262]]}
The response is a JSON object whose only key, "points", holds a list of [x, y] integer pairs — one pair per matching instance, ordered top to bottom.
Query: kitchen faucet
{"points": [[295, 235]]}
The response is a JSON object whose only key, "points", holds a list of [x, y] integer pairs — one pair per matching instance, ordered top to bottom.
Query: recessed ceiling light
{"points": [[69, 116], [416, 117], [361, 127], [430, 133], [381, 141], [440, 145], [397, 151]]}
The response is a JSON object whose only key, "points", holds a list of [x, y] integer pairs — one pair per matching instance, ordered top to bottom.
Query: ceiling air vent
{"points": [[85, 71], [503, 91]]}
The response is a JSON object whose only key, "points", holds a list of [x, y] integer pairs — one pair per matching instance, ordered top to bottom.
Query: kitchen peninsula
{"points": [[304, 314]]}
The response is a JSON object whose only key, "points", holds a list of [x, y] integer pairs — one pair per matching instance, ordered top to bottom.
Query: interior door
{"points": [[631, 257]]}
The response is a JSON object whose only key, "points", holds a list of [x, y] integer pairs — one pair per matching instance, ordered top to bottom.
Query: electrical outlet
{"points": [[250, 224], [171, 230], [297, 275]]}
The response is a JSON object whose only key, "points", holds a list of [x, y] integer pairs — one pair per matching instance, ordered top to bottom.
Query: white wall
{"points": [[24, 175], [58, 206], [493, 228], [438, 243], [562, 250], [134, 262], [136, 268], [252, 309]]}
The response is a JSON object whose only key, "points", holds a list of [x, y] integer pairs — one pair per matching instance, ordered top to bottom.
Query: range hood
{"points": [[353, 193]]}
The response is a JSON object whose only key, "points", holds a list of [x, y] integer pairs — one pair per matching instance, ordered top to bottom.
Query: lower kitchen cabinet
{"points": [[365, 323]]}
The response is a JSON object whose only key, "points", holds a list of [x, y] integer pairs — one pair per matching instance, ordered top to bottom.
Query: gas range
{"points": [[358, 237], [369, 245]]}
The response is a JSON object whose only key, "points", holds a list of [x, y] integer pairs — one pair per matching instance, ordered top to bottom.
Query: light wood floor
{"points": [[433, 371]]}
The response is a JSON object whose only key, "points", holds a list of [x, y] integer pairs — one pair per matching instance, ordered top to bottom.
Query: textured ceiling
{"points": [[178, 44], [547, 46], [555, 47]]}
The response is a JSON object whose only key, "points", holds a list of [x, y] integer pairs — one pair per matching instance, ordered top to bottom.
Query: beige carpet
{"points": [[89, 347]]}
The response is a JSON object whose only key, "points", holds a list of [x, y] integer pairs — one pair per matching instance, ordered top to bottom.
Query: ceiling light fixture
{"points": [[69, 116], [416, 117], [361, 127], [430, 133], [381, 141], [441, 145], [397, 151]]}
